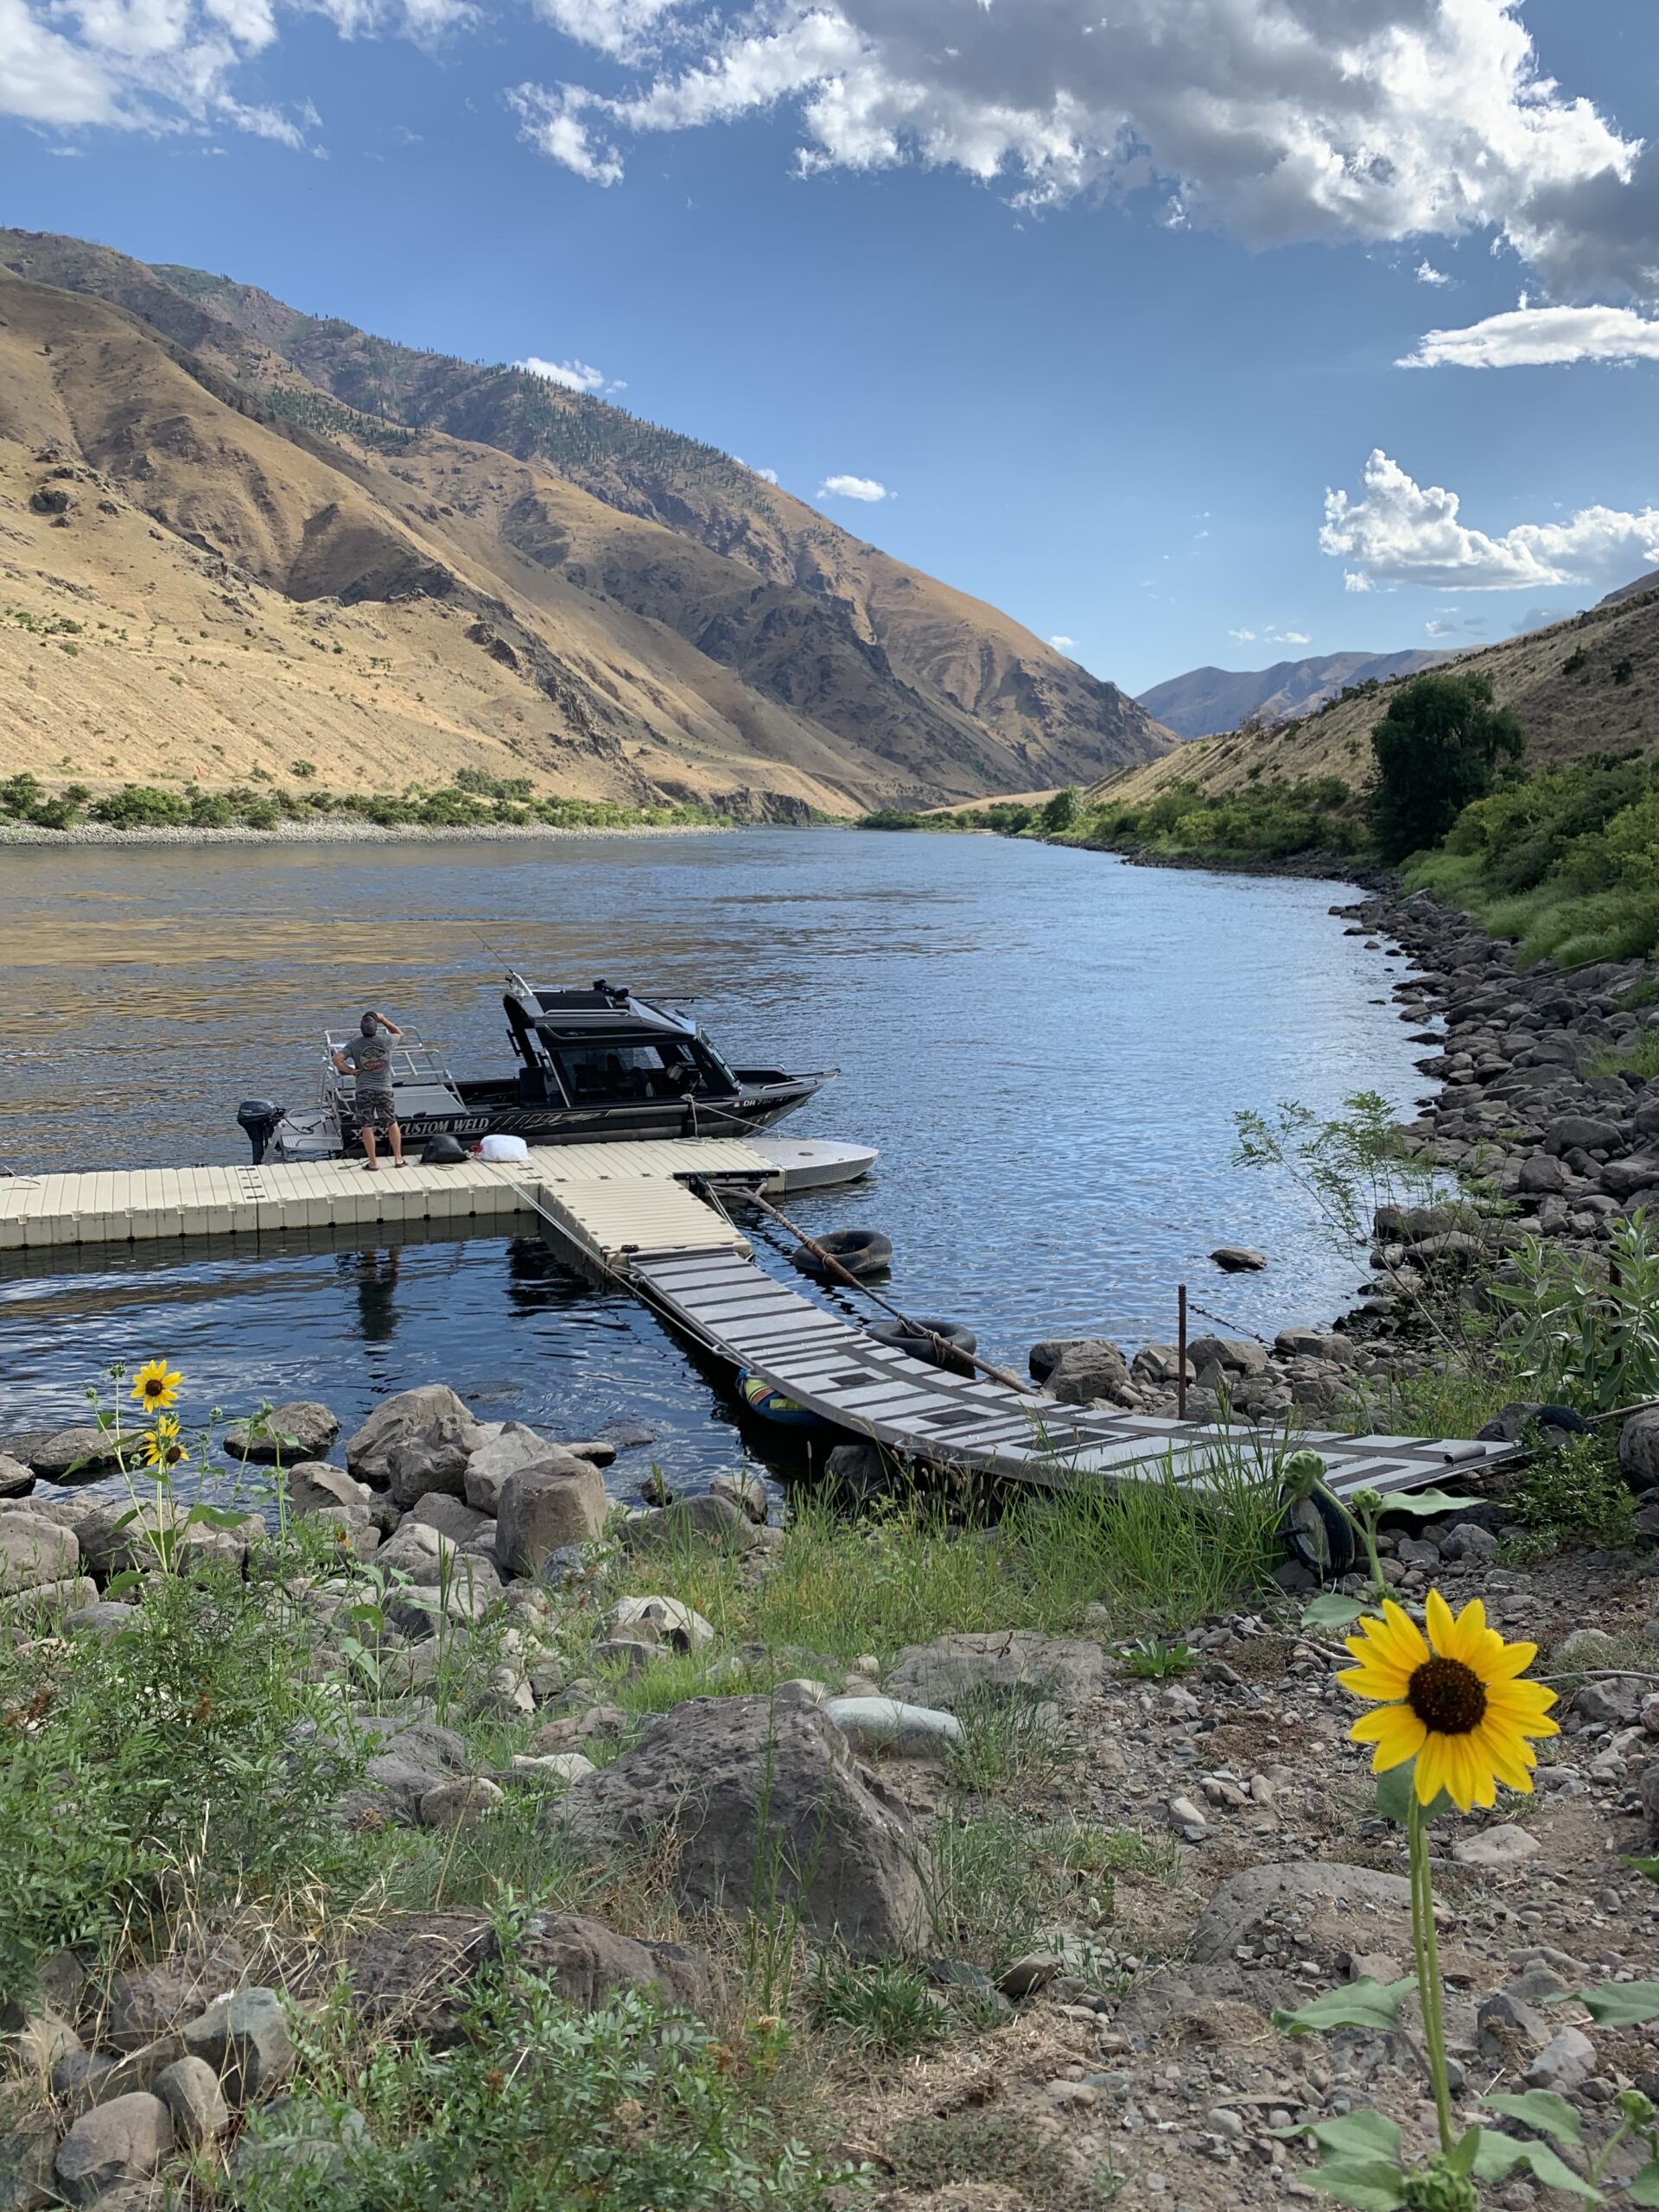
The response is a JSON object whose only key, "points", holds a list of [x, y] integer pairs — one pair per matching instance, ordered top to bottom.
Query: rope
{"points": [[832, 1266], [1237, 1327]]}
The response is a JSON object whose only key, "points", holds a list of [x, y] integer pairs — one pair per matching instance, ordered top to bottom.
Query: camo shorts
{"points": [[375, 1110]]}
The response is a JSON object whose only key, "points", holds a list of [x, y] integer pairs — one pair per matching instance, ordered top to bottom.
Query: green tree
{"points": [[1437, 748], [1063, 812]]}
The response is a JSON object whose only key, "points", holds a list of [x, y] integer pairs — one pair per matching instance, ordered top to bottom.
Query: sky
{"points": [[1187, 331]]}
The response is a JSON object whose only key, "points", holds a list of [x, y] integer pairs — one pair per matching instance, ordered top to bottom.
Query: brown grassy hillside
{"points": [[248, 595], [876, 682], [1570, 685]]}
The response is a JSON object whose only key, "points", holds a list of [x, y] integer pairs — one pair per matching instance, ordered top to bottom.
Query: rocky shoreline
{"points": [[322, 832], [1178, 1849]]}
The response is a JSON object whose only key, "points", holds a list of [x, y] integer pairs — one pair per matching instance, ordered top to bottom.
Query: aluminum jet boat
{"points": [[593, 1066]]}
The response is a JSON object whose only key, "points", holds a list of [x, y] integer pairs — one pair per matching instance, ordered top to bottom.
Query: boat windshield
{"points": [[606, 1074]]}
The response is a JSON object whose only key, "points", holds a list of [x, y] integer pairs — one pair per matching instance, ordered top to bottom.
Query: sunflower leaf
{"points": [[1431, 1501], [1331, 1610], [1393, 1792], [1363, 2003], [1621, 2004], [1543, 2109], [1361, 2134], [1499, 2154], [1460, 2158], [1369, 2184], [1643, 2186]]}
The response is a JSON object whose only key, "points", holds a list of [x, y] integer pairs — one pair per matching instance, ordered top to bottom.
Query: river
{"points": [[1047, 1045]]}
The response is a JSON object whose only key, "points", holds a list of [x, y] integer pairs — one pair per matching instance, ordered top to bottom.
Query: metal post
{"points": [[1180, 1351]]}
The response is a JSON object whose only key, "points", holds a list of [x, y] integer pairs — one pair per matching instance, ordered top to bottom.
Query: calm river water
{"points": [[1047, 1045]]}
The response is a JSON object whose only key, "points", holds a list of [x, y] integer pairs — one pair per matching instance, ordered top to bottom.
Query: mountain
{"points": [[660, 621], [1589, 684], [1206, 700]]}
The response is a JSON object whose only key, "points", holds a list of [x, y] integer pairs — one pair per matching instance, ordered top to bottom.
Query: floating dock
{"points": [[617, 1197], [626, 1208], [919, 1411]]}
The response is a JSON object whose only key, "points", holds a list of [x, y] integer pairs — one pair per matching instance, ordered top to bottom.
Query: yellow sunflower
{"points": [[155, 1385], [162, 1444], [1454, 1704]]}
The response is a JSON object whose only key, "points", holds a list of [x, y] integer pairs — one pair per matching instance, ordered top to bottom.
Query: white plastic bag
{"points": [[504, 1147]]}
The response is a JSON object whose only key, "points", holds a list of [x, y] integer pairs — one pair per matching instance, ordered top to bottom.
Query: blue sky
{"points": [[1107, 303]]}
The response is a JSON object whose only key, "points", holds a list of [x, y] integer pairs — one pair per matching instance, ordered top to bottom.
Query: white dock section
{"points": [[609, 1198], [917, 1411]]}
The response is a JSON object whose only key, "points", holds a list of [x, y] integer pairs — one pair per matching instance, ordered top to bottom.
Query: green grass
{"points": [[1155, 1553], [1011, 1739], [881, 2007], [538, 2106]]}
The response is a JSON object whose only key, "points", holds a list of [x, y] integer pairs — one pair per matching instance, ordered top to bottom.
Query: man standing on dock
{"points": [[367, 1058]]}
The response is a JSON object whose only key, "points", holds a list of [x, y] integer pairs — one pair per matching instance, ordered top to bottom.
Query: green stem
{"points": [[1364, 1526], [1426, 1951], [1598, 2164]]}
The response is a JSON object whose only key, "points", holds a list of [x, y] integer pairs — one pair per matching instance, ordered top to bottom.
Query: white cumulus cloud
{"points": [[1274, 119], [1427, 273], [1530, 337], [575, 376], [852, 487], [1399, 531], [1242, 636], [1063, 644]]}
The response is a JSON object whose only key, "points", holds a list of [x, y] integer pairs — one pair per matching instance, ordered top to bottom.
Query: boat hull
{"points": [[647, 1119]]}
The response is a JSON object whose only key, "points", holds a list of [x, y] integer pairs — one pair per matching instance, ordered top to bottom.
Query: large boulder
{"points": [[1581, 1132], [1622, 1179], [1234, 1355], [1088, 1369], [298, 1429], [416, 1441], [1639, 1447], [513, 1449], [78, 1455], [16, 1480], [315, 1487], [542, 1512], [689, 1521], [117, 1535], [34, 1551], [424, 1554], [667, 1620], [1061, 1670], [765, 1807], [1331, 1906], [585, 1962], [411, 1977], [145, 2002], [245, 2039], [122, 2141]]}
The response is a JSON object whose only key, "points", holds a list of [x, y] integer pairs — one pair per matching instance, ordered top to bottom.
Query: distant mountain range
{"points": [[272, 535], [1589, 683], [1206, 700]]}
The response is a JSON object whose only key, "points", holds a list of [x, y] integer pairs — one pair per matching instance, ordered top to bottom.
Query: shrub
{"points": [[1437, 748], [140, 806], [162, 1768], [540, 2106]]}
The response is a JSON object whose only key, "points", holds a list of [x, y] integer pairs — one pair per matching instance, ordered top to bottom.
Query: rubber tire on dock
{"points": [[861, 1251], [924, 1348], [1321, 1538]]}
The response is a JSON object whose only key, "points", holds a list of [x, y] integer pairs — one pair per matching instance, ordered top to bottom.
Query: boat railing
{"points": [[413, 1060]]}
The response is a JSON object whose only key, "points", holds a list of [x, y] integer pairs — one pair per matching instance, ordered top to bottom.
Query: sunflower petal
{"points": [[1442, 1629], [1383, 1685], [1396, 1732], [1429, 1779]]}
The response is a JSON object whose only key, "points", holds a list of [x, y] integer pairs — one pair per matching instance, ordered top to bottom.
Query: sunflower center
{"points": [[1447, 1697]]}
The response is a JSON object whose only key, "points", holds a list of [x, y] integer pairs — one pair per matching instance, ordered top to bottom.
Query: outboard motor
{"points": [[258, 1117]]}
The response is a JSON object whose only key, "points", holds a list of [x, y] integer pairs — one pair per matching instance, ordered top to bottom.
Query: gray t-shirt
{"points": [[370, 1060]]}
